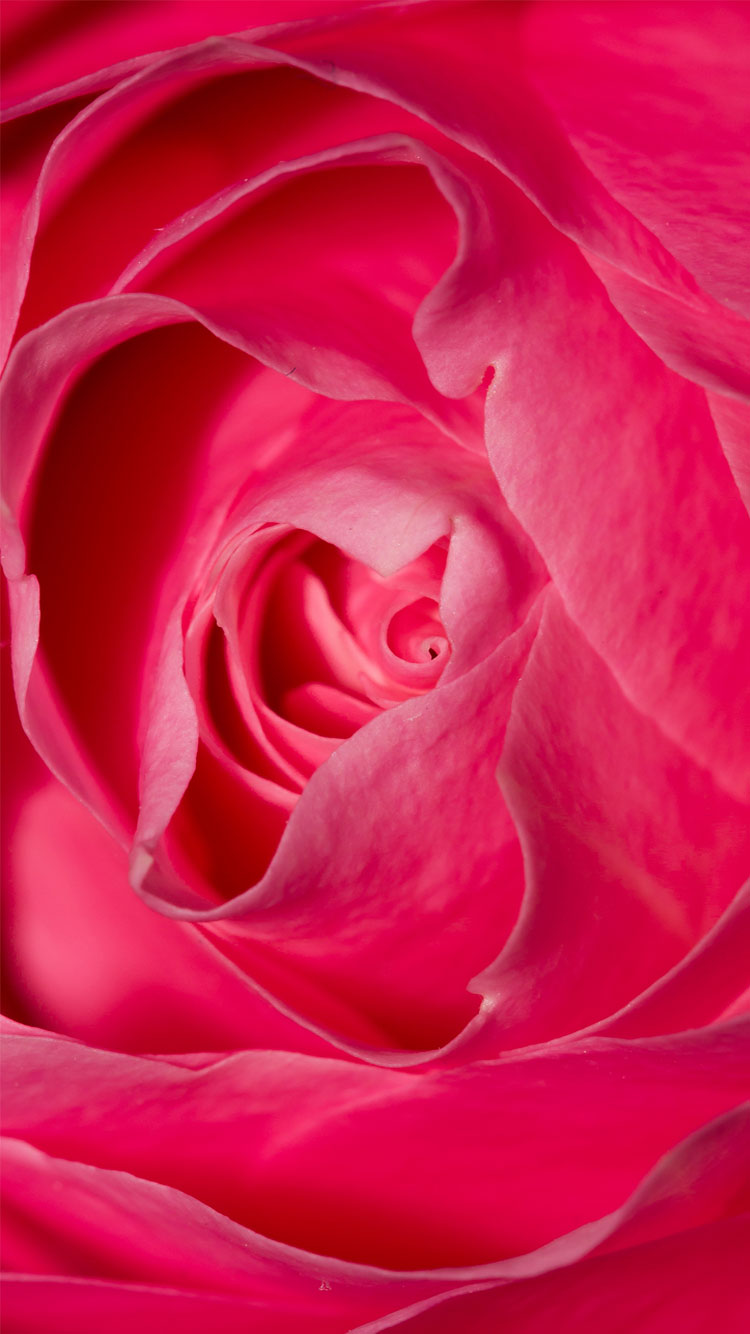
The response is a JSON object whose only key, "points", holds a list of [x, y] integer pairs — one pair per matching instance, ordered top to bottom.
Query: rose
{"points": [[486, 1035]]}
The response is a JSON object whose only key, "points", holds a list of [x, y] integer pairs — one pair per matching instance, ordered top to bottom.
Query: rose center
{"points": [[303, 645]]}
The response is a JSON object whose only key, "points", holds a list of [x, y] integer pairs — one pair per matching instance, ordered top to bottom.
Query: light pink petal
{"points": [[385, 487], [216, 809]]}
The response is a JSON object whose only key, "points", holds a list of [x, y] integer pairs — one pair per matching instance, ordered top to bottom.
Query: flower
{"points": [[376, 543]]}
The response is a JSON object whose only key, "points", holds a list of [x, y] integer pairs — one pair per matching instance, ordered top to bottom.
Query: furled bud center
{"points": [[302, 645]]}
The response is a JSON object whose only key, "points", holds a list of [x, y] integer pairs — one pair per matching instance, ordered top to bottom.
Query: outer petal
{"points": [[52, 45], [462, 65], [473, 87], [654, 98], [191, 125], [230, 259], [732, 421], [213, 463], [612, 464], [97, 614], [626, 865], [83, 955], [90, 959], [708, 983], [339, 1158], [700, 1181], [66, 1218], [687, 1282], [33, 1304]]}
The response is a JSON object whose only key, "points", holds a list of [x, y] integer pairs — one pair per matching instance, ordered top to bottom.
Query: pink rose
{"points": [[378, 561]]}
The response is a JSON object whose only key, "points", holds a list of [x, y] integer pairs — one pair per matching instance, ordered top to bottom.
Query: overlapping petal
{"points": [[375, 525]]}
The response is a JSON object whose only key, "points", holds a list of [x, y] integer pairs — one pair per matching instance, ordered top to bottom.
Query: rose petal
{"points": [[97, 45], [655, 101], [206, 118], [732, 421], [580, 454], [374, 802], [627, 864], [91, 960], [704, 986], [295, 1131], [67, 1217], [689, 1281], [33, 1304]]}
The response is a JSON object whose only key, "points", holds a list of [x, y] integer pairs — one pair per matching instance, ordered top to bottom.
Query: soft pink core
{"points": [[311, 646]]}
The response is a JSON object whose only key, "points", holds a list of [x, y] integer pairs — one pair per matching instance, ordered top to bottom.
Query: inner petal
{"points": [[415, 633], [309, 646]]}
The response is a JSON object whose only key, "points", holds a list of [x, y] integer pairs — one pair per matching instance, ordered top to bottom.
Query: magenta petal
{"points": [[229, 259]]}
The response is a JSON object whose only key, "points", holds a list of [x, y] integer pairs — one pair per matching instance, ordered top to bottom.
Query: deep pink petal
{"points": [[94, 43], [472, 86], [654, 99], [160, 144], [732, 420], [591, 438], [110, 482], [374, 802], [627, 865], [89, 959], [708, 984], [266, 1137], [67, 1218], [686, 1282], [32, 1304]]}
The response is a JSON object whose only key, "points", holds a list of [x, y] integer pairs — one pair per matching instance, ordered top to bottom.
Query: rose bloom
{"points": [[377, 561]]}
